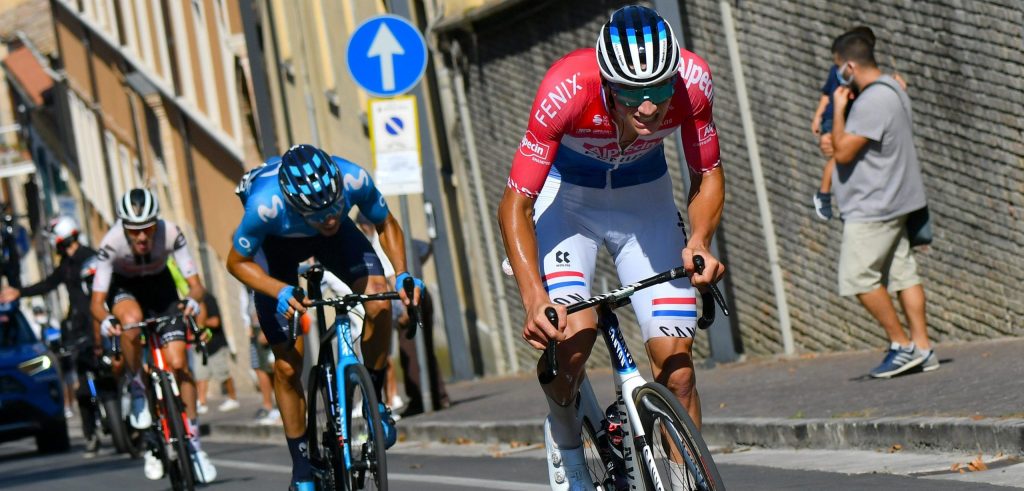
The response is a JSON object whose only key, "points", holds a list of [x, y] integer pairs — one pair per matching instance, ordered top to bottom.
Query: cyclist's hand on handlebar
{"points": [[713, 269], [400, 286], [288, 303], [190, 306], [110, 326], [538, 329]]}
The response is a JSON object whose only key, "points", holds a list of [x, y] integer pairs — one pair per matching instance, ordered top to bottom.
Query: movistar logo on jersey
{"points": [[556, 98], [353, 183], [267, 214]]}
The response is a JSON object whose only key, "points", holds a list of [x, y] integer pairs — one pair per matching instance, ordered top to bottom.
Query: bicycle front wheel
{"points": [[322, 432], [366, 433], [681, 457], [602, 461], [179, 462]]}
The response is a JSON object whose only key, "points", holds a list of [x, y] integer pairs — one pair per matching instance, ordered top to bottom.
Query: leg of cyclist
{"points": [[567, 247], [350, 256], [128, 311], [175, 356], [85, 361]]}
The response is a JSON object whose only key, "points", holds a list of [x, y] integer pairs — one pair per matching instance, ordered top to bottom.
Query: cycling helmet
{"points": [[637, 47], [309, 179], [138, 209], [63, 230]]}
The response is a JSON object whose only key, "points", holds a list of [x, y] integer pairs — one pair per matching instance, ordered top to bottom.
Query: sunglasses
{"points": [[635, 96], [320, 216]]}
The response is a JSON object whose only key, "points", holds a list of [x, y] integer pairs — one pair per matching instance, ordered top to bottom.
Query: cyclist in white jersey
{"points": [[591, 171], [132, 283]]}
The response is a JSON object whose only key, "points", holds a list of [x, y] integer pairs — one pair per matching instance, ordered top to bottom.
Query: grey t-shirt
{"points": [[884, 181]]}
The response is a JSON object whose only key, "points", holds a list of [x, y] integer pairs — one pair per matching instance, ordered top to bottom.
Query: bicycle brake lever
{"points": [[300, 295], [414, 310], [547, 367]]}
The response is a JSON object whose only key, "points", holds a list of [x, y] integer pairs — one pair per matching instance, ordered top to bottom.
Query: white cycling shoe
{"points": [[139, 416], [152, 467], [567, 467], [204, 469]]}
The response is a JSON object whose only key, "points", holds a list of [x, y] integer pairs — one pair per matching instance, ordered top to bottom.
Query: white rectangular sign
{"points": [[395, 136]]}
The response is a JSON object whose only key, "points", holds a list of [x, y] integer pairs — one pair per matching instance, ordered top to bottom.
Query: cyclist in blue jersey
{"points": [[296, 207]]}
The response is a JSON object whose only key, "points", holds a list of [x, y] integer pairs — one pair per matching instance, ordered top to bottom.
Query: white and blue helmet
{"points": [[637, 47]]}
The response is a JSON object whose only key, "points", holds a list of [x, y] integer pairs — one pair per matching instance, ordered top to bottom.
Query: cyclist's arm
{"points": [[515, 219], [392, 240], [246, 270], [101, 282], [48, 284]]}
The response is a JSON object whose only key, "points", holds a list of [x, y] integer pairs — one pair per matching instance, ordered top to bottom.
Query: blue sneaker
{"points": [[898, 360], [390, 432], [302, 486]]}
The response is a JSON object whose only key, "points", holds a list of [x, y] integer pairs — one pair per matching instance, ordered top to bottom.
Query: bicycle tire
{"points": [[659, 411], [115, 425], [322, 433], [366, 445], [600, 457], [180, 465]]}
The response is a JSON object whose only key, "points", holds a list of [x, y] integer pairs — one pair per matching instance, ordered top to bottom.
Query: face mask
{"points": [[843, 80]]}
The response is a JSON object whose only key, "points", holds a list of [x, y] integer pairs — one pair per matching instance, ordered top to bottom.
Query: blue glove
{"points": [[400, 281], [283, 296]]}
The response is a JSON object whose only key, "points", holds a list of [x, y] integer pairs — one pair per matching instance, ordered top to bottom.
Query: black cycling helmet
{"points": [[310, 179]]}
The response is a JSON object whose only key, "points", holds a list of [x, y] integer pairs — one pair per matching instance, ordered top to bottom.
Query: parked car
{"points": [[31, 397]]}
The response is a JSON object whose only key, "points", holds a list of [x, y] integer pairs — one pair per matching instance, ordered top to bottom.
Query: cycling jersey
{"points": [[572, 136], [266, 212], [116, 255]]}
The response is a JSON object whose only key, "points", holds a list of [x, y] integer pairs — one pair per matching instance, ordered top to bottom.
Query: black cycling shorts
{"points": [[347, 254], [157, 295]]}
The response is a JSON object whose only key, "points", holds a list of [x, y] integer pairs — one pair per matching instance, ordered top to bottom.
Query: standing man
{"points": [[593, 161], [877, 185], [296, 206], [78, 327], [217, 366]]}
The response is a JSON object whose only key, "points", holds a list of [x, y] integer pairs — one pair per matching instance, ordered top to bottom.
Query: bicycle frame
{"points": [[150, 335]]}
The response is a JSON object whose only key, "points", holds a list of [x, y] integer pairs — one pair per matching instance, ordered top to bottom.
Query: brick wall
{"points": [[963, 63]]}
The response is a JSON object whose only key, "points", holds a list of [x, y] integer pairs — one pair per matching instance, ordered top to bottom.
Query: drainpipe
{"points": [[512, 363]]}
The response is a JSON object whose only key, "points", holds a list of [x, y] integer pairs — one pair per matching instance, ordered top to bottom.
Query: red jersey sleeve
{"points": [[561, 97], [693, 101]]}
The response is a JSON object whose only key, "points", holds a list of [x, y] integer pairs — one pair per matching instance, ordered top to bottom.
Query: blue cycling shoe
{"points": [[390, 432], [302, 486]]}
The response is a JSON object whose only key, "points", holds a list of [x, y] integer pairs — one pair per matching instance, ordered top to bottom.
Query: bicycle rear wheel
{"points": [[115, 425], [322, 432], [366, 433], [680, 455], [179, 458], [601, 458]]}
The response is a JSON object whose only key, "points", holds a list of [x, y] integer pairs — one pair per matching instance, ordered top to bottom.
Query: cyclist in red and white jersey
{"points": [[591, 170]]}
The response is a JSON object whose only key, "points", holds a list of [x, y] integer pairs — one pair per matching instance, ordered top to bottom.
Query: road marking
{"points": [[467, 482]]}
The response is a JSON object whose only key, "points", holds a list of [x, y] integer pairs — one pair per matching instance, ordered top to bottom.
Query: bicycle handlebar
{"points": [[709, 298], [190, 324]]}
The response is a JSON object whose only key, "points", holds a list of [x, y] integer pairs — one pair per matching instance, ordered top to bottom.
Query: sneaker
{"points": [[823, 205], [898, 360], [931, 360], [397, 403], [228, 405], [202, 408], [68, 413], [260, 414], [139, 417], [273, 417], [388, 421], [92, 446], [152, 467], [567, 467], [205, 471]]}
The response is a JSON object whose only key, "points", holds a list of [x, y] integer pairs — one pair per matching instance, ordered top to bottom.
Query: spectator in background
{"points": [[878, 185], [408, 356], [261, 360], [217, 367]]}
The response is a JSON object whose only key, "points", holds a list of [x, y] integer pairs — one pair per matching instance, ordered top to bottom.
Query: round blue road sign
{"points": [[387, 55]]}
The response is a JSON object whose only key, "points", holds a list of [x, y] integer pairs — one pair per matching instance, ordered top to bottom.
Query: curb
{"points": [[930, 434]]}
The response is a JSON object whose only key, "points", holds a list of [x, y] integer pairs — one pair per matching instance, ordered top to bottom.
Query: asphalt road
{"points": [[429, 467]]}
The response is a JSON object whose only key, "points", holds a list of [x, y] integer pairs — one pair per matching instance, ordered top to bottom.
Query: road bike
{"points": [[103, 395], [168, 435], [645, 440], [347, 452]]}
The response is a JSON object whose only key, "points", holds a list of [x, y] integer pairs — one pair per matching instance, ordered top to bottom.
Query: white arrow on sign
{"points": [[385, 46]]}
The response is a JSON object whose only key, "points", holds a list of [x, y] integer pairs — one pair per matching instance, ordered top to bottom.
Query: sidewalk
{"points": [[974, 402]]}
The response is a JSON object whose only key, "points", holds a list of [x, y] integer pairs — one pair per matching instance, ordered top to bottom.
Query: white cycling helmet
{"points": [[637, 47], [138, 209], [63, 230]]}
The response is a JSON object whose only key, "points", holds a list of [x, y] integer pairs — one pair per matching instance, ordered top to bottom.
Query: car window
{"points": [[14, 330]]}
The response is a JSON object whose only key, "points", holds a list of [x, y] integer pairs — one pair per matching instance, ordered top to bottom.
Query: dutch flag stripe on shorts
{"points": [[563, 279], [674, 307]]}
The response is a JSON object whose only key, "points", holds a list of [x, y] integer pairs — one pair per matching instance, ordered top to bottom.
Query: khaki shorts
{"points": [[875, 254], [216, 368]]}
